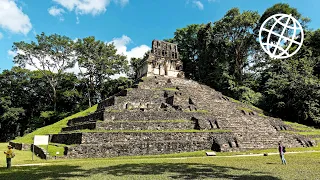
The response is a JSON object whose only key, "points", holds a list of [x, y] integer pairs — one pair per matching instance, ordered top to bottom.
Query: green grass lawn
{"points": [[300, 166]]}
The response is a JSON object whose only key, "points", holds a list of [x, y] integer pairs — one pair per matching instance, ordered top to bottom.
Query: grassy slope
{"points": [[53, 128], [304, 130]]}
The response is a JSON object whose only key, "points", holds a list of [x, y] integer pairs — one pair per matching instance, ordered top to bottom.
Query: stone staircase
{"points": [[169, 115]]}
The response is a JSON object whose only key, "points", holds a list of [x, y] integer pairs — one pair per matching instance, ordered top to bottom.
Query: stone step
{"points": [[98, 115], [152, 115], [87, 125], [146, 125], [133, 136], [135, 148]]}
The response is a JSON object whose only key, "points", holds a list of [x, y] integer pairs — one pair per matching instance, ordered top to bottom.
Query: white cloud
{"points": [[198, 4], [93, 7], [57, 12], [13, 19], [1, 35], [121, 46], [11, 53]]}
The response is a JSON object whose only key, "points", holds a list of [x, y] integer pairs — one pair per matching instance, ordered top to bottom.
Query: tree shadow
{"points": [[170, 170], [181, 171], [42, 172]]}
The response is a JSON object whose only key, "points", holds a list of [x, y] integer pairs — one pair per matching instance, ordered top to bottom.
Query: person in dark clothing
{"points": [[281, 149]]}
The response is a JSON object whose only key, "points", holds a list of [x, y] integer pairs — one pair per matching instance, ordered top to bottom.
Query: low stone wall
{"points": [[111, 100], [108, 102], [98, 115], [145, 125], [81, 126], [72, 138], [20, 146], [40, 152]]}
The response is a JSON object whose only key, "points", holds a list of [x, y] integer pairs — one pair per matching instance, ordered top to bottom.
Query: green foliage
{"points": [[55, 47], [100, 61], [246, 95]]}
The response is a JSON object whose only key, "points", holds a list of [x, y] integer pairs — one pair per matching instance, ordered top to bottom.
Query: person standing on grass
{"points": [[281, 149], [9, 155]]}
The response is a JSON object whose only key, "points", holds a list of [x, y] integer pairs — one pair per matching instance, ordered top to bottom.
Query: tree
{"points": [[279, 8], [236, 29], [186, 38], [53, 53], [100, 61], [135, 64], [8, 119]]}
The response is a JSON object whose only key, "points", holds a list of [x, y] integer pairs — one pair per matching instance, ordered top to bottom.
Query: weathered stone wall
{"points": [[98, 115], [152, 115], [145, 125], [91, 126], [111, 137], [72, 138], [20, 146], [145, 147], [138, 148], [40, 152]]}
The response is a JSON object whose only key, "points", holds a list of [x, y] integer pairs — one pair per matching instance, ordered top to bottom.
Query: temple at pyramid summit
{"points": [[162, 60], [166, 113]]}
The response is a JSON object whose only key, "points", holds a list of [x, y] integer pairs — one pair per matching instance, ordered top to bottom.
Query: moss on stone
{"points": [[170, 89], [235, 101], [245, 109], [198, 111], [261, 115]]}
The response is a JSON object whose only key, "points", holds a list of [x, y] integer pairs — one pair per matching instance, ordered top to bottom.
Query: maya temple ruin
{"points": [[163, 60], [166, 113]]}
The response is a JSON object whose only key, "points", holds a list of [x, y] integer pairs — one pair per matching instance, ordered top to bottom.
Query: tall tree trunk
{"points": [[89, 95], [54, 99]]}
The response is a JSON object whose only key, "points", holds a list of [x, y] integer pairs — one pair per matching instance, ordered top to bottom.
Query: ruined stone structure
{"points": [[162, 60], [169, 115]]}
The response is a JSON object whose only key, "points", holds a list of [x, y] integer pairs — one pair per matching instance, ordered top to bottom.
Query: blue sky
{"points": [[130, 24]]}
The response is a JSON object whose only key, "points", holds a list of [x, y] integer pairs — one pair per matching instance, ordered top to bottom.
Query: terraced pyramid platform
{"points": [[168, 115]]}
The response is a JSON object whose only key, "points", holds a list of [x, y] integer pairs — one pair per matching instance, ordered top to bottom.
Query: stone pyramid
{"points": [[163, 115]]}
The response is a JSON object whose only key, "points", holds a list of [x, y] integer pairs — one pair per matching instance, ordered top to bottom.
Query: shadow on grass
{"points": [[169, 170], [181, 171], [42, 172]]}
